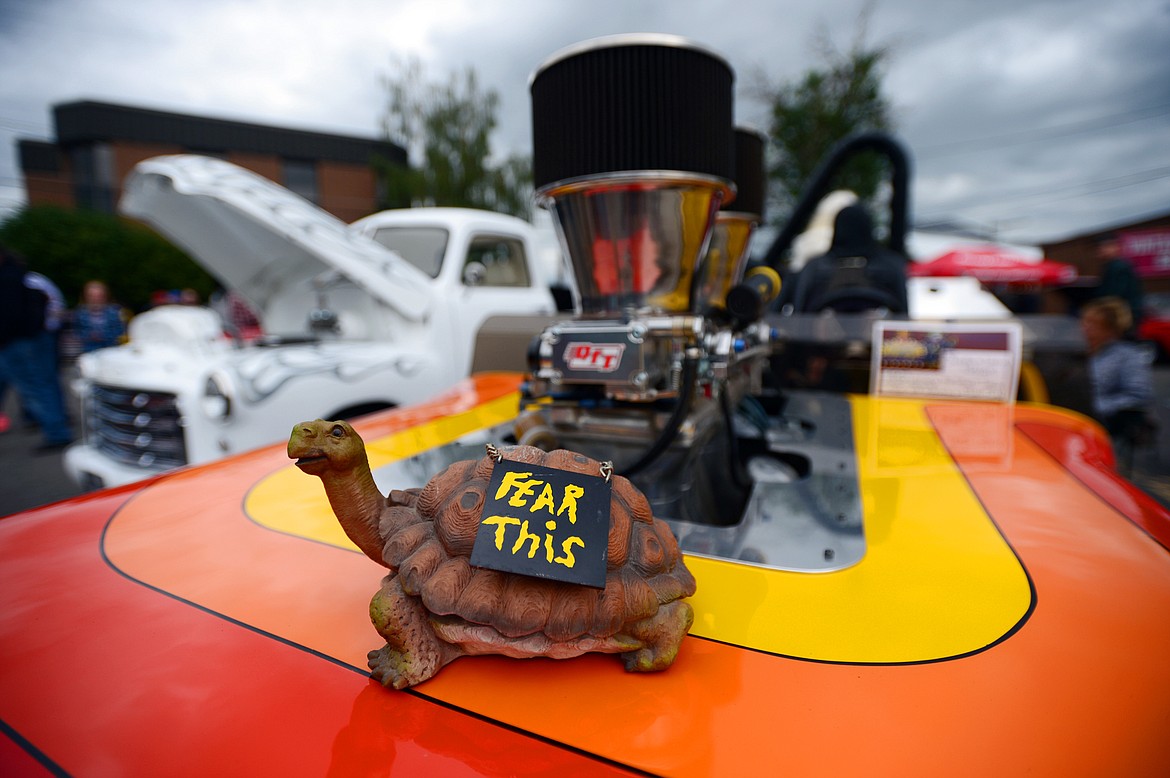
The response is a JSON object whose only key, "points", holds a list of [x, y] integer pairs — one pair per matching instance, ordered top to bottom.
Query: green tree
{"points": [[810, 115], [446, 129], [75, 246]]}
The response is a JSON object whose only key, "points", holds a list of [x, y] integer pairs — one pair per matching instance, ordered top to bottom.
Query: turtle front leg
{"points": [[660, 636], [413, 653]]}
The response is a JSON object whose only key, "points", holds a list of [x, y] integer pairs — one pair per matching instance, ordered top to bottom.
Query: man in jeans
{"points": [[25, 347]]}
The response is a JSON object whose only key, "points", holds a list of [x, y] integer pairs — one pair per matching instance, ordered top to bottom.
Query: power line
{"points": [[23, 125], [1018, 137], [1054, 193]]}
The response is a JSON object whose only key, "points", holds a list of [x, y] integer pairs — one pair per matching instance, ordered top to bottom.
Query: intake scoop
{"points": [[632, 153]]}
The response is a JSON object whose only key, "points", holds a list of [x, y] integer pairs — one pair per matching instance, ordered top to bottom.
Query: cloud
{"points": [[1039, 118]]}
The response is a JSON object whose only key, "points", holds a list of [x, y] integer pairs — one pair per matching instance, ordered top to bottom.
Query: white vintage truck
{"points": [[359, 317]]}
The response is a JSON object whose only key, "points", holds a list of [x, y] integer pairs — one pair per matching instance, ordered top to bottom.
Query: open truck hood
{"points": [[257, 237]]}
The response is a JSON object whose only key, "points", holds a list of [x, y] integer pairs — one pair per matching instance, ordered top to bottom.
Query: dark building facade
{"points": [[97, 144], [1145, 243]]}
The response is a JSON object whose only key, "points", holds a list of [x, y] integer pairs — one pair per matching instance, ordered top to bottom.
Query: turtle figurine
{"points": [[434, 606]]}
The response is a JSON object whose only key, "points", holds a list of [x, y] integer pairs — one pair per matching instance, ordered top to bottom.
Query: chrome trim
{"points": [[623, 40], [623, 179], [656, 224], [136, 427]]}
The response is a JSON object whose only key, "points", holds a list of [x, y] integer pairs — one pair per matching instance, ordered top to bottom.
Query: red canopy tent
{"points": [[994, 265]]}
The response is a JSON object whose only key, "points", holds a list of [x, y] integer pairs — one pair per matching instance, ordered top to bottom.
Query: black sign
{"points": [[546, 523]]}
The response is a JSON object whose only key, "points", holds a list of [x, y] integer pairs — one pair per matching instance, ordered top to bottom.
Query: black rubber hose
{"points": [[690, 371], [739, 473]]}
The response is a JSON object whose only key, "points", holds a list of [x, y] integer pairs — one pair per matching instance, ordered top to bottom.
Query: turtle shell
{"points": [[429, 535]]}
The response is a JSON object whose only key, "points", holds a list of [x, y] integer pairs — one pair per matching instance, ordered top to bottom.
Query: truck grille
{"points": [[136, 427]]}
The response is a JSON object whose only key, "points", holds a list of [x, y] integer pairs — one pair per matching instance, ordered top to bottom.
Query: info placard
{"points": [[947, 360], [544, 522]]}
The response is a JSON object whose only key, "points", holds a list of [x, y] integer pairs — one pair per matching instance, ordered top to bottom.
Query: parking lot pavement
{"points": [[1152, 465], [29, 479]]}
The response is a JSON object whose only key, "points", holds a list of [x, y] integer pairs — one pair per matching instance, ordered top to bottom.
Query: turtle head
{"points": [[319, 446]]}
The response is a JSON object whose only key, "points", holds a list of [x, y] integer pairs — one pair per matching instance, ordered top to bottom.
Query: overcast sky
{"points": [[1037, 119]]}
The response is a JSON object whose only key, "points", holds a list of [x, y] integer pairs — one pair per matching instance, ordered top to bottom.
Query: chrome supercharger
{"points": [[654, 194]]}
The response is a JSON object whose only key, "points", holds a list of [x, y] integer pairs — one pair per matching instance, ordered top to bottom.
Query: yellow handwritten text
{"points": [[523, 486], [501, 524]]}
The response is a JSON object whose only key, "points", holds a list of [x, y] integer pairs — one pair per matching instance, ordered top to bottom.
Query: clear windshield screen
{"points": [[422, 247]]}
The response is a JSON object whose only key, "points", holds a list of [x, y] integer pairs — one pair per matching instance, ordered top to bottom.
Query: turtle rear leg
{"points": [[660, 636], [413, 653]]}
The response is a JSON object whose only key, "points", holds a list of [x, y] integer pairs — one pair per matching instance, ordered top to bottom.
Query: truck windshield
{"points": [[422, 247]]}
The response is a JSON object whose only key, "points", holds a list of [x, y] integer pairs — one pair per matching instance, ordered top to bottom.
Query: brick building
{"points": [[97, 144], [1146, 243]]}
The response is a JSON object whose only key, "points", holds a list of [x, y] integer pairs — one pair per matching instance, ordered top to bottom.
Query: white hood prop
{"points": [[258, 237]]}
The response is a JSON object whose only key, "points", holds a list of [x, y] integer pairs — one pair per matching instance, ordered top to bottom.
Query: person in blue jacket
{"points": [[97, 323], [1120, 376]]}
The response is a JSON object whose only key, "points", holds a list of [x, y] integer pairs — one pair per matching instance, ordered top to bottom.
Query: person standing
{"points": [[1120, 279], [56, 314], [97, 322], [24, 342], [1120, 377]]}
